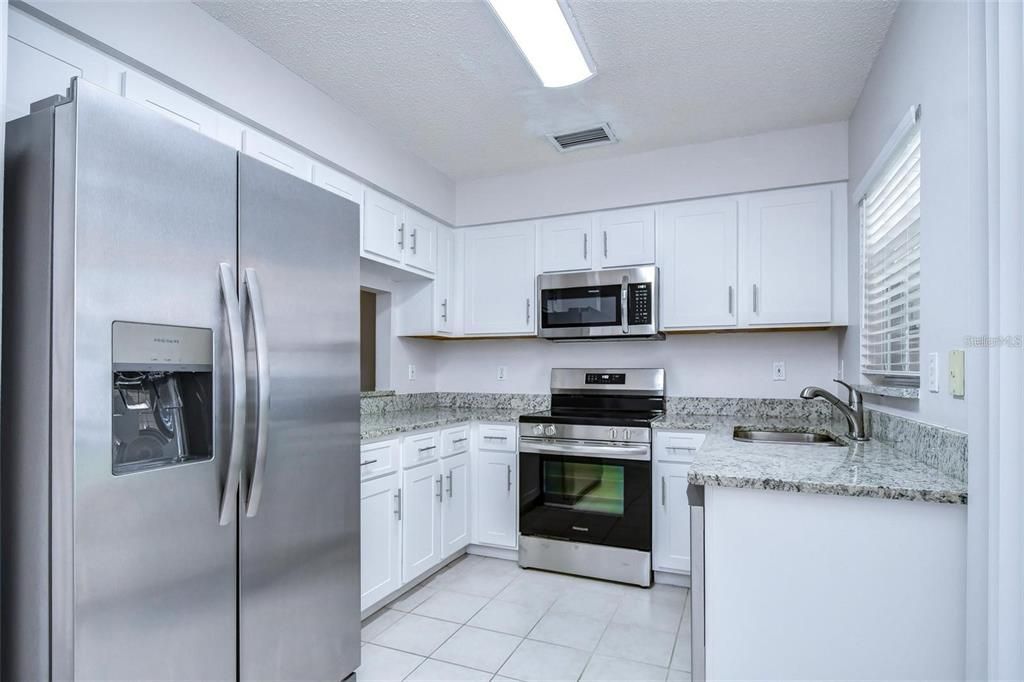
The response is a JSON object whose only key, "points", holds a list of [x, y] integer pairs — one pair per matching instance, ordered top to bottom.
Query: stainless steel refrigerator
{"points": [[180, 406]]}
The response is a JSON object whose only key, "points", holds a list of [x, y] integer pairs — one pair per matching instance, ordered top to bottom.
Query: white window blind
{"points": [[891, 252]]}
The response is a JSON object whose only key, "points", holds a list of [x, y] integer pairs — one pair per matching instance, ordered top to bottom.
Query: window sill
{"points": [[902, 392]]}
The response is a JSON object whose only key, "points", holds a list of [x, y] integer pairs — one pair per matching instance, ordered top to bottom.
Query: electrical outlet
{"points": [[502, 370], [778, 371], [412, 372], [933, 372]]}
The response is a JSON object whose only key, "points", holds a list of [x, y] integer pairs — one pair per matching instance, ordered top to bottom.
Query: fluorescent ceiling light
{"points": [[543, 34]]}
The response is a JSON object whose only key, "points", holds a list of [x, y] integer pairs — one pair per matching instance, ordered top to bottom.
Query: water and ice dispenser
{"points": [[162, 391]]}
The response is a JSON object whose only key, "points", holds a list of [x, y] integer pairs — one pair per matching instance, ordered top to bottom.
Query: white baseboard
{"points": [[494, 552], [677, 579]]}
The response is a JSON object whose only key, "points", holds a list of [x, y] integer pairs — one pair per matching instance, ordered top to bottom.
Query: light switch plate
{"points": [[778, 371], [502, 372], [933, 372], [956, 373]]}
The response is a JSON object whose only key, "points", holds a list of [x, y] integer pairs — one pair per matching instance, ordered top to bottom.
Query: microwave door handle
{"points": [[624, 301], [259, 323], [236, 350]]}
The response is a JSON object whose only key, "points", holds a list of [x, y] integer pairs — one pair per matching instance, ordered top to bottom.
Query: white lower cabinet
{"points": [[673, 455], [497, 505], [421, 519], [455, 520], [379, 539]]}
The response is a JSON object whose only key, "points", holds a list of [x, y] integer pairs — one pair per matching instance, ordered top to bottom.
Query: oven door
{"points": [[582, 491]]}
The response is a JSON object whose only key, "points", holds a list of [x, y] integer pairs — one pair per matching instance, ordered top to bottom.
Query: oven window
{"points": [[596, 306], [585, 487]]}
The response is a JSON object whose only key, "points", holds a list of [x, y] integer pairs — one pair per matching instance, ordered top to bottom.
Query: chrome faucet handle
{"points": [[855, 398]]}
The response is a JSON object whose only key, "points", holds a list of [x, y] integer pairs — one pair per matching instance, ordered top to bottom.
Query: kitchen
{"points": [[600, 318]]}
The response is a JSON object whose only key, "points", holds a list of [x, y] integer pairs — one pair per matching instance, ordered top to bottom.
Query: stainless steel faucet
{"points": [[854, 411]]}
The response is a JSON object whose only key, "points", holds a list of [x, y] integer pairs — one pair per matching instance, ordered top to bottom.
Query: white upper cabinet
{"points": [[171, 103], [277, 154], [339, 183], [383, 234], [625, 237], [566, 243], [420, 248], [786, 257], [697, 259], [498, 288], [443, 305]]}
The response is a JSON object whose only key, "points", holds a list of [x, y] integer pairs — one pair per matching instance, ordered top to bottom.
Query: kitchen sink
{"points": [[784, 437]]}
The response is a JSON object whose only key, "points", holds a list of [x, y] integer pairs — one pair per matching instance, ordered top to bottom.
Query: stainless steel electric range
{"points": [[585, 474]]}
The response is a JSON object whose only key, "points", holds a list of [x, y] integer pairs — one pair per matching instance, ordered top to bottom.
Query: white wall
{"points": [[184, 43], [924, 60], [784, 158], [731, 365]]}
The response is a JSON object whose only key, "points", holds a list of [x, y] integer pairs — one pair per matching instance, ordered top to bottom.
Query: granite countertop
{"points": [[376, 394], [373, 426], [869, 469]]}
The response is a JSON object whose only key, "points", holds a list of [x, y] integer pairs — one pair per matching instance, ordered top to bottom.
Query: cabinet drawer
{"points": [[497, 437], [454, 441], [677, 446], [420, 448], [377, 458]]}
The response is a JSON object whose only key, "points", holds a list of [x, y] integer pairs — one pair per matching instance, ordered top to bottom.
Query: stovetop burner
{"points": [[603, 397]]}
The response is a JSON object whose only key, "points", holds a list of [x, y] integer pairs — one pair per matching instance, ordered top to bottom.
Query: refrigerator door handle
{"points": [[259, 323], [237, 353]]}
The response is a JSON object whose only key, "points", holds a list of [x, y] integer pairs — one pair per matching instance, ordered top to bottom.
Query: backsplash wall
{"points": [[728, 365]]}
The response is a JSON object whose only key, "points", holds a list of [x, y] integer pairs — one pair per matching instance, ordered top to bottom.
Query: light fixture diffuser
{"points": [[542, 31]]}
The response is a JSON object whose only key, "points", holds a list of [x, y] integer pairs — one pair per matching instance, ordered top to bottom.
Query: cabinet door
{"points": [[171, 103], [277, 154], [337, 182], [383, 234], [625, 237], [566, 243], [420, 246], [786, 257], [697, 259], [443, 278], [500, 280], [496, 498], [455, 517], [671, 517], [421, 520], [379, 537]]}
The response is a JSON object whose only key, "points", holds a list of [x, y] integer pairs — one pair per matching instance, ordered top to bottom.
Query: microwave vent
{"points": [[588, 137]]}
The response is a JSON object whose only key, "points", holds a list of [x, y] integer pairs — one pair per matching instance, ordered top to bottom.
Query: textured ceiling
{"points": [[446, 81]]}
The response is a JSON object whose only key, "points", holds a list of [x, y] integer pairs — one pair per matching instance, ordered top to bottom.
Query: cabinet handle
{"points": [[605, 234], [401, 236], [584, 246], [412, 247], [755, 298], [730, 299], [444, 310], [527, 311], [494, 438], [460, 440], [428, 448], [369, 461], [509, 472], [449, 485], [662, 491], [440, 496], [398, 504]]}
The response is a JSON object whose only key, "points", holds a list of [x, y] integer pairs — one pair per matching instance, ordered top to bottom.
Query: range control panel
{"points": [[640, 304], [618, 378]]}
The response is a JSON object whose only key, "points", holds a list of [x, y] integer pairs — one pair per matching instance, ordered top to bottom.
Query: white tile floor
{"points": [[483, 619]]}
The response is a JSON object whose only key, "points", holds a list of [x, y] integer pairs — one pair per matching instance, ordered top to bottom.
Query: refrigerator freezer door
{"points": [[144, 215], [299, 551]]}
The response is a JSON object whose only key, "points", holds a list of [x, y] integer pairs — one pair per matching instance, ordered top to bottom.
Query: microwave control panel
{"points": [[640, 304]]}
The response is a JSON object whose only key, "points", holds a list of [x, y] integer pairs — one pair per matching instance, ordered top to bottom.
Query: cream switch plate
{"points": [[933, 372], [956, 373]]}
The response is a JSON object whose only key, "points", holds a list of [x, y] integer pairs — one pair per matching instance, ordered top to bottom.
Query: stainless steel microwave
{"points": [[602, 304]]}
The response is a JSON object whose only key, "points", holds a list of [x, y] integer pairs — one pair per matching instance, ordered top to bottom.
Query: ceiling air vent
{"points": [[588, 137]]}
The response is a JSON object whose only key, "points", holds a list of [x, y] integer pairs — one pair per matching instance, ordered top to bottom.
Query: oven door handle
{"points": [[638, 452]]}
